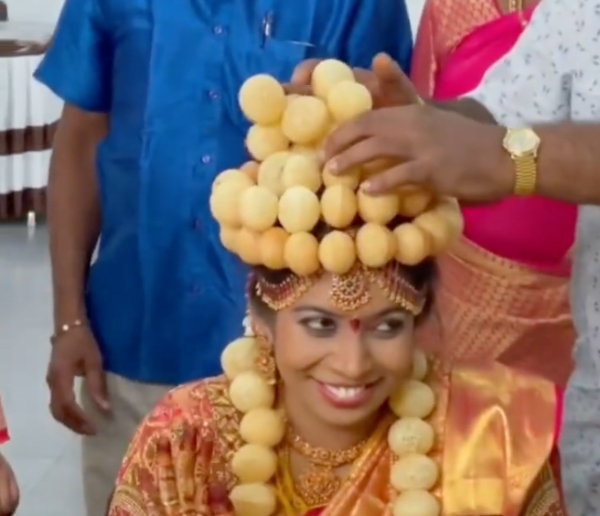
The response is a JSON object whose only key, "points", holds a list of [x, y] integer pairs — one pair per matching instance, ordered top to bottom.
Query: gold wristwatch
{"points": [[523, 145]]}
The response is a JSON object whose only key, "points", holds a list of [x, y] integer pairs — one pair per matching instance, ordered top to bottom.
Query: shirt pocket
{"points": [[275, 56]]}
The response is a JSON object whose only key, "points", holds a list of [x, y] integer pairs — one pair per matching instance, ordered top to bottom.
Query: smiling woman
{"points": [[325, 406]]}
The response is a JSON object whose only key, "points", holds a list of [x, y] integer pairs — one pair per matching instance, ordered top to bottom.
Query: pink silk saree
{"points": [[534, 231], [3, 428]]}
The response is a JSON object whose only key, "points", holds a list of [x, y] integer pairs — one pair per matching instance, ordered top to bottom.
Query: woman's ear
{"points": [[260, 326]]}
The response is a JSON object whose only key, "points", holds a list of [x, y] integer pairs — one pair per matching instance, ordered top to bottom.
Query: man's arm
{"points": [[77, 68], [73, 208]]}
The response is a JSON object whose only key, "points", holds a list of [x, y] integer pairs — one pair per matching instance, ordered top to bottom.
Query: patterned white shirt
{"points": [[553, 74]]}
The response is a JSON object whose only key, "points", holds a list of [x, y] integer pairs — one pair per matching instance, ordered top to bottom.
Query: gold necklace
{"points": [[319, 483]]}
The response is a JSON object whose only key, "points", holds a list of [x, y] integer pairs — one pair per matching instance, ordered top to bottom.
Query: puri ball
{"points": [[327, 74], [262, 99], [347, 100], [305, 120], [264, 140], [306, 150], [250, 168], [301, 170], [270, 171], [230, 176], [350, 178], [224, 202], [414, 203], [338, 206], [258, 208], [299, 209], [380, 209], [450, 210], [437, 227], [229, 238], [412, 244], [272, 245], [375, 245], [247, 246], [337, 252], [302, 254], [239, 356], [420, 365], [249, 391], [413, 399], [262, 426], [410, 435], [254, 463], [414, 471], [253, 500], [416, 503]]}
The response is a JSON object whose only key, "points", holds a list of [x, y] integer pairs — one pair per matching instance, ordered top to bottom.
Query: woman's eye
{"points": [[319, 324], [389, 327]]}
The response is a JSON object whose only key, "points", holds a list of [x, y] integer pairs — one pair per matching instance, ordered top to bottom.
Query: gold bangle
{"points": [[66, 328]]}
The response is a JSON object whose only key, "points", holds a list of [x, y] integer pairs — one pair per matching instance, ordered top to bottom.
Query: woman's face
{"points": [[342, 366]]}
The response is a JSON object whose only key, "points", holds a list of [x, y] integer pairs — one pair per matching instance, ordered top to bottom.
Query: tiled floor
{"points": [[44, 455]]}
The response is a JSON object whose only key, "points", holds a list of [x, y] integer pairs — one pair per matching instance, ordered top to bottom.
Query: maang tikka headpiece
{"points": [[348, 291]]}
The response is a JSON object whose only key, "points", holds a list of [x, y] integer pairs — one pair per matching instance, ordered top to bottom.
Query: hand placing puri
{"points": [[387, 83], [422, 145]]}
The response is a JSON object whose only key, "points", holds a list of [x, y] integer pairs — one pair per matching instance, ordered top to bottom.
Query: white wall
{"points": [[34, 10], [47, 10]]}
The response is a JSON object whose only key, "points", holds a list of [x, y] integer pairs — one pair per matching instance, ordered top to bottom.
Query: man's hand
{"points": [[387, 83], [440, 150], [76, 353], [9, 489]]}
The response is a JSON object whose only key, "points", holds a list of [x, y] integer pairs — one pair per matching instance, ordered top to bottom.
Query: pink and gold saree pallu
{"points": [[488, 307]]}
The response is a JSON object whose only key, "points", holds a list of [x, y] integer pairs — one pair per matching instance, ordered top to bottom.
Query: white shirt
{"points": [[551, 75]]}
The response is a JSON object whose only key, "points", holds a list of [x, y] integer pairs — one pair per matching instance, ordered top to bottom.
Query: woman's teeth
{"points": [[345, 393]]}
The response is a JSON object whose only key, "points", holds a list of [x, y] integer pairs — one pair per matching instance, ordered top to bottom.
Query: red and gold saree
{"points": [[495, 442]]}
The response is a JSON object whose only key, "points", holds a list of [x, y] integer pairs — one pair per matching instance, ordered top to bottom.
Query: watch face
{"points": [[522, 141]]}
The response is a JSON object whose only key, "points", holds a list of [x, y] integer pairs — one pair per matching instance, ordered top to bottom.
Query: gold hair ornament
{"points": [[349, 291]]}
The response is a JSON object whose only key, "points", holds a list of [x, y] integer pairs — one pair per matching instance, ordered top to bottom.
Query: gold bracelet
{"points": [[66, 328]]}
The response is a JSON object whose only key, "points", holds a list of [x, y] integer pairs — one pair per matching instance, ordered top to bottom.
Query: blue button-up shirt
{"points": [[164, 297]]}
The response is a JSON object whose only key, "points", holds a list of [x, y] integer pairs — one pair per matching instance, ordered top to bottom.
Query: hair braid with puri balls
{"points": [[292, 220]]}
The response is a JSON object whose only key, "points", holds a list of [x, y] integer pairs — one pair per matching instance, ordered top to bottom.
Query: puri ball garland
{"points": [[268, 208], [413, 474]]}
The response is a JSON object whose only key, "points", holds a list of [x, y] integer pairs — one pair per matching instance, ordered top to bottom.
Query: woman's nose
{"points": [[352, 358]]}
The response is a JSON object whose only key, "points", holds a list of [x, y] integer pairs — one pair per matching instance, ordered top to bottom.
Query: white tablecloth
{"points": [[24, 104]]}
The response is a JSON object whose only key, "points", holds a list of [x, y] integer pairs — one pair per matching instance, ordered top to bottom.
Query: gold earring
{"points": [[265, 361]]}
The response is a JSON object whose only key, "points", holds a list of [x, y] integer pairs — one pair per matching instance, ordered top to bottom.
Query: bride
{"points": [[325, 407]]}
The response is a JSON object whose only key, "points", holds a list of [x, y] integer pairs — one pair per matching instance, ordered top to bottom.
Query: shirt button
{"points": [[218, 30], [213, 95], [206, 159], [197, 224], [195, 289]]}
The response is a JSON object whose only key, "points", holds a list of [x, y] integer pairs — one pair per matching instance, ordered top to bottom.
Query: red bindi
{"points": [[355, 324]]}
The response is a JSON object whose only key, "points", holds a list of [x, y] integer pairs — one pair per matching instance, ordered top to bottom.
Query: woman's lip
{"points": [[343, 396]]}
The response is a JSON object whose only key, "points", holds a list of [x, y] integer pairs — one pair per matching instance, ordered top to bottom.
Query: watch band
{"points": [[526, 175]]}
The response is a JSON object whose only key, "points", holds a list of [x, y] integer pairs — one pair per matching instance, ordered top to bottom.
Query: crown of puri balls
{"points": [[267, 210]]}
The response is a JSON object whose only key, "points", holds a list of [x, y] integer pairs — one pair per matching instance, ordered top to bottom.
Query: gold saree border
{"points": [[499, 434]]}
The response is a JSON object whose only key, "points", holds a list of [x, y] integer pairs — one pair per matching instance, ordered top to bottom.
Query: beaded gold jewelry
{"points": [[348, 291], [320, 482]]}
